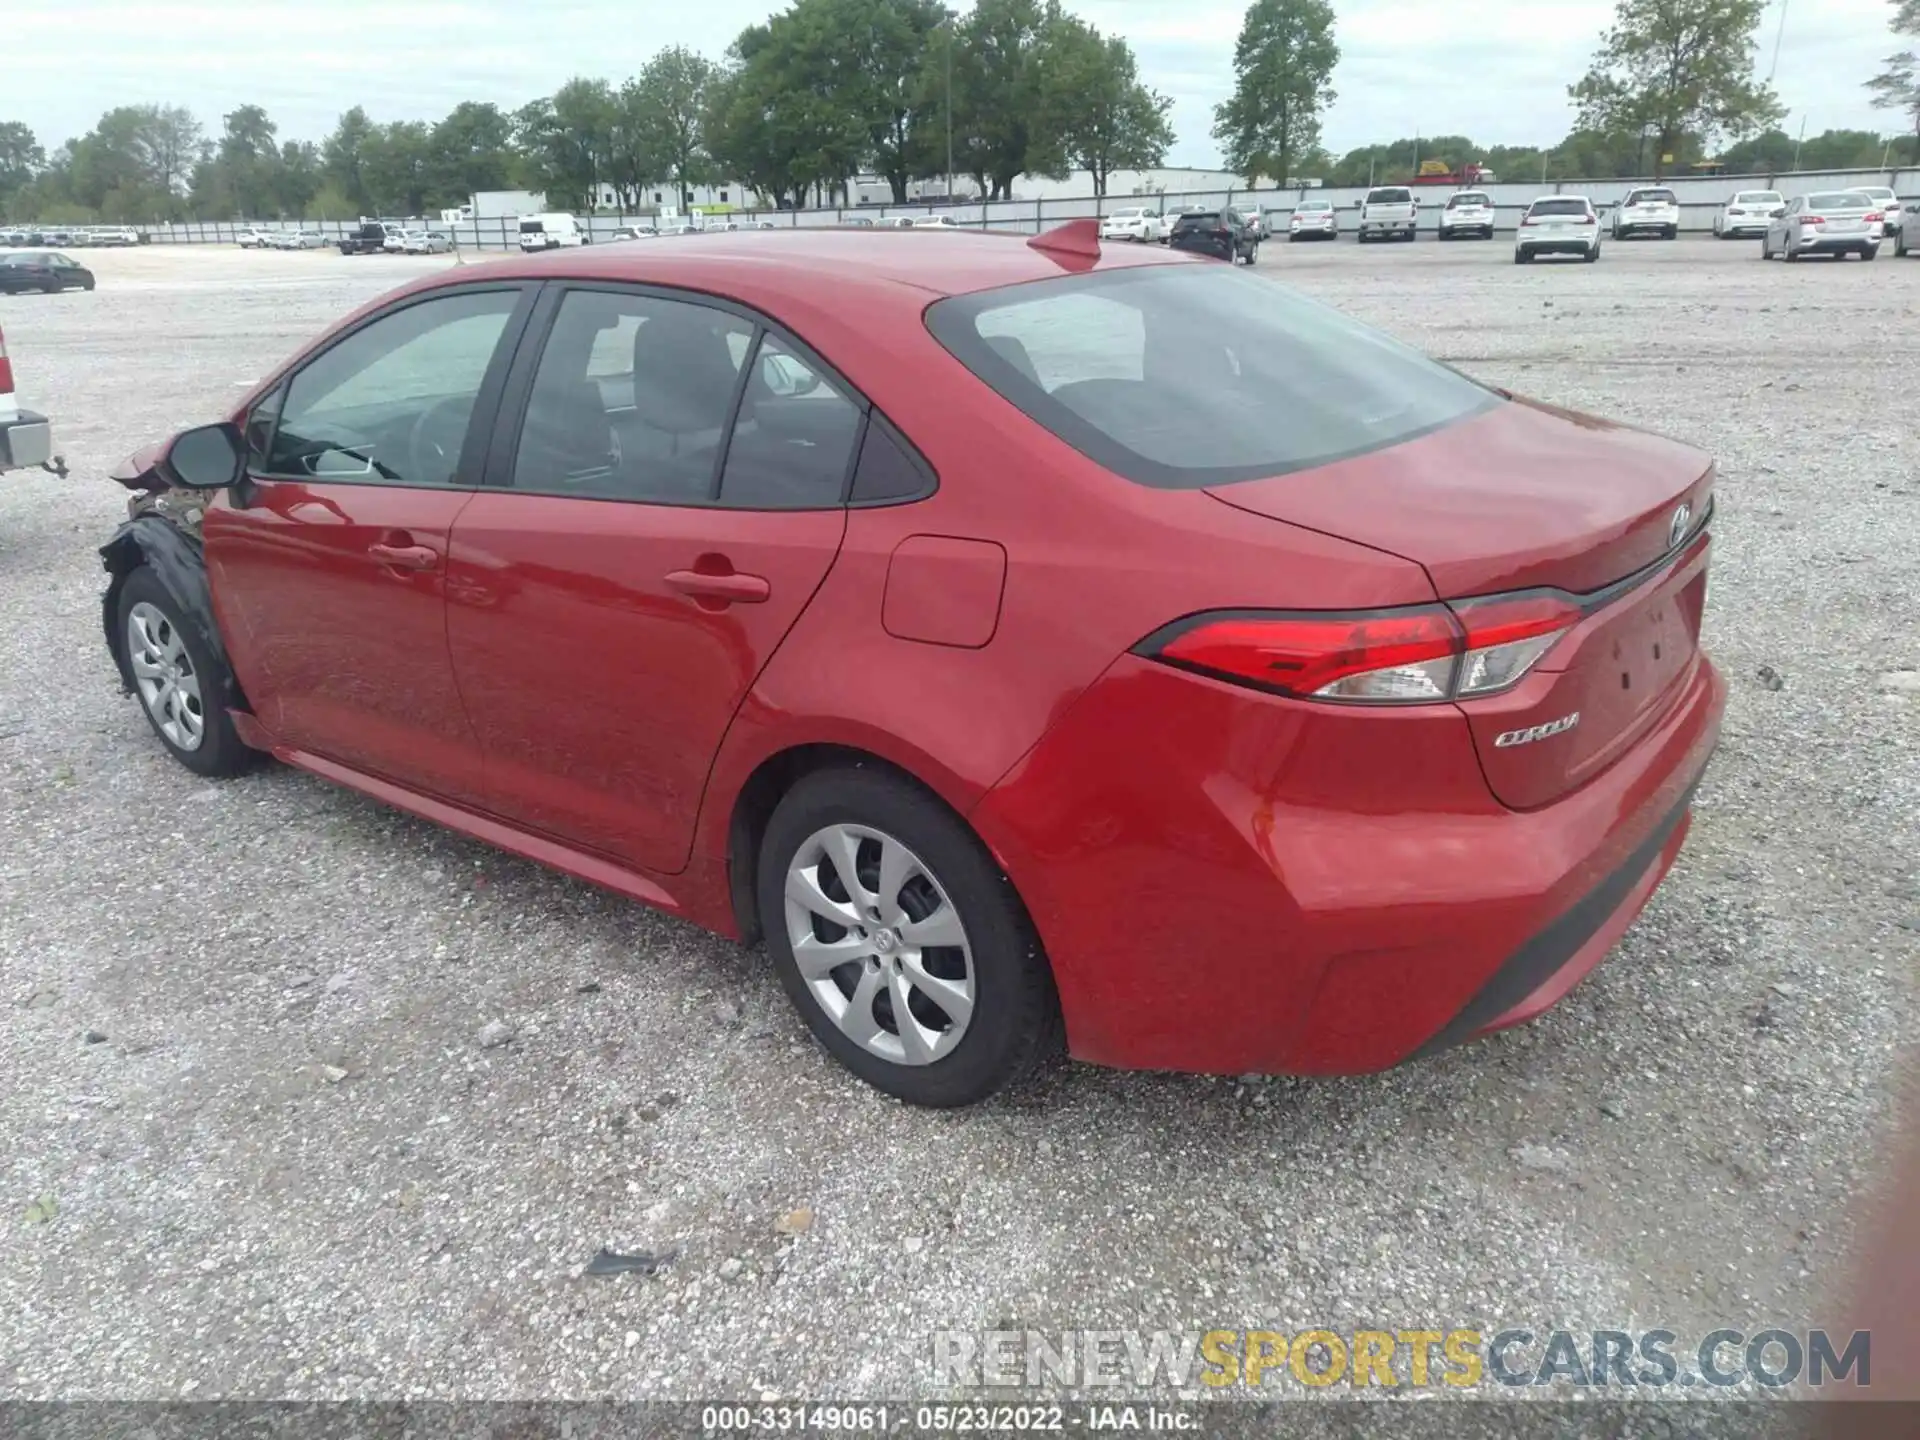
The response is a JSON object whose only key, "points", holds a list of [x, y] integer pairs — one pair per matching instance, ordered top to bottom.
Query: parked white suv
{"points": [[1388, 210], [1653, 210], [1469, 212], [1747, 213], [1136, 222], [1558, 225]]}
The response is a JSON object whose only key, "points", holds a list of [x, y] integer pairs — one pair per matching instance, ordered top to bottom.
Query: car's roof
{"points": [[797, 263]]}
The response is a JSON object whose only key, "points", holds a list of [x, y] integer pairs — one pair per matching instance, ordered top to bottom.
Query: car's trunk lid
{"points": [[1526, 496]]}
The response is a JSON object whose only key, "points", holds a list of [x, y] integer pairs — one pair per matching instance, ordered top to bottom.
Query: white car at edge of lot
{"points": [[1648, 210], [1467, 212], [1747, 213], [1893, 216], [1313, 219], [1139, 223], [1558, 225]]}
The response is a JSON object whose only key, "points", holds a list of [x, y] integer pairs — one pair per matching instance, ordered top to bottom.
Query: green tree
{"points": [[1282, 64], [1677, 67], [998, 80], [1897, 88], [672, 101], [1096, 114], [567, 140], [468, 151], [342, 157], [21, 158], [634, 161], [395, 162], [297, 178]]}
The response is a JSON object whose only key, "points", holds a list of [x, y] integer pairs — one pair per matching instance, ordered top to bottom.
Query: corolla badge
{"points": [[1678, 526], [1508, 739]]}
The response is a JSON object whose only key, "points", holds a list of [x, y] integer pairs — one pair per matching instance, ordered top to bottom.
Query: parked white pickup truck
{"points": [[26, 439]]}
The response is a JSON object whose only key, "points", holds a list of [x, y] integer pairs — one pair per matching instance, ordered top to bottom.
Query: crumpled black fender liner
{"points": [[176, 558]]}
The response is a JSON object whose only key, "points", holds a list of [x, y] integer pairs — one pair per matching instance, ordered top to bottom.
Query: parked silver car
{"points": [[1829, 222]]}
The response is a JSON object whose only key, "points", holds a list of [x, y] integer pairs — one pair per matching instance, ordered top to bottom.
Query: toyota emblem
{"points": [[1677, 530]]}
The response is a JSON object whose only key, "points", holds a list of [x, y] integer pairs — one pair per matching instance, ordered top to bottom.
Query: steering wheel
{"points": [[433, 445]]}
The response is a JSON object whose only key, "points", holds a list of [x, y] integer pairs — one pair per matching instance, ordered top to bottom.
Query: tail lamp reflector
{"points": [[1417, 655]]}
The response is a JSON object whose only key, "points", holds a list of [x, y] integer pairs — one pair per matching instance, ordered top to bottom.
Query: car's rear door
{"points": [[665, 494], [329, 571]]}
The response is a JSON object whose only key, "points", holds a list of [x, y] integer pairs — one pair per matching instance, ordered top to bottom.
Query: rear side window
{"points": [[1558, 207], [1182, 376], [631, 399], [793, 442]]}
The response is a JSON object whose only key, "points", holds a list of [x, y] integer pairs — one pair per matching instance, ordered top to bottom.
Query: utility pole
{"points": [[1801, 141]]}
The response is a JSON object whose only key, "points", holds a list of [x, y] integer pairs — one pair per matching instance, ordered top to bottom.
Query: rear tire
{"points": [[1672, 232], [1869, 252], [1593, 253], [1520, 257], [177, 680], [901, 838]]}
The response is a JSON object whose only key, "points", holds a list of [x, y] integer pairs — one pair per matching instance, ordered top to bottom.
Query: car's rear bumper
{"points": [[1646, 227], [1836, 244], [1560, 245], [25, 441], [1231, 883]]}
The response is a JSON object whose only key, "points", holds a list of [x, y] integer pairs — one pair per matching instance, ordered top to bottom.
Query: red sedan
{"points": [[1025, 640]]}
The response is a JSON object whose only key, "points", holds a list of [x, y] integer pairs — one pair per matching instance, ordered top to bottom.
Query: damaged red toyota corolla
{"points": [[1024, 639]]}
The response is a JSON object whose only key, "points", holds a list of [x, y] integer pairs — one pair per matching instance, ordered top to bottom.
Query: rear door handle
{"points": [[406, 557], [732, 588]]}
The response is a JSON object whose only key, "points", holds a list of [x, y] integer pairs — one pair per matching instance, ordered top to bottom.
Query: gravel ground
{"points": [[251, 1143]]}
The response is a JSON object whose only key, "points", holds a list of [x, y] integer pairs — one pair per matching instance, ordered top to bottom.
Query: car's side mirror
{"points": [[1778, 213], [208, 457]]}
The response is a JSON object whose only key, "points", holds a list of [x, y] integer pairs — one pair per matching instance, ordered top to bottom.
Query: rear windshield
{"points": [[1394, 196], [1655, 197], [1757, 197], [1466, 199], [1839, 200], [1316, 206], [1559, 207], [1195, 222], [532, 227], [1178, 376]]}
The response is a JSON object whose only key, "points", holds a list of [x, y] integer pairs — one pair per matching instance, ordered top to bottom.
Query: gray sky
{"points": [[1494, 70]]}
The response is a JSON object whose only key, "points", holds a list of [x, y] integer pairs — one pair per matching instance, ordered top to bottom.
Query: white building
{"points": [[727, 194]]}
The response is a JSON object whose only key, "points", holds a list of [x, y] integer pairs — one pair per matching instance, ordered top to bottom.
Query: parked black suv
{"points": [[1225, 234]]}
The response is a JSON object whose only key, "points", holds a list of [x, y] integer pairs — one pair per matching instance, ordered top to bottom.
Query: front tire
{"points": [[178, 682], [900, 942]]}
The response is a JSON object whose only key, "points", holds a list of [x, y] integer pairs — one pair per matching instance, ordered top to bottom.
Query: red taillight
{"points": [[1874, 217], [1813, 219], [1528, 220], [6, 372], [1508, 634], [1419, 655]]}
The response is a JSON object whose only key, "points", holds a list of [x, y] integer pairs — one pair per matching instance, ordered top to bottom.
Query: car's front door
{"points": [[667, 509], [329, 572]]}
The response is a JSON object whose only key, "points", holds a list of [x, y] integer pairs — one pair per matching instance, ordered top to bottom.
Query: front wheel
{"points": [[180, 684], [906, 951]]}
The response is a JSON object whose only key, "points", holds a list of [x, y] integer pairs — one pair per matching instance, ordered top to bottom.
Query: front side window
{"points": [[1180, 377], [632, 399], [390, 404]]}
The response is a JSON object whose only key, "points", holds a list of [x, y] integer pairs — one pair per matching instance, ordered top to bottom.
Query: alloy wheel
{"points": [[164, 673], [879, 944]]}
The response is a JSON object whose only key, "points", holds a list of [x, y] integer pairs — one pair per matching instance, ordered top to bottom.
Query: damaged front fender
{"points": [[176, 558]]}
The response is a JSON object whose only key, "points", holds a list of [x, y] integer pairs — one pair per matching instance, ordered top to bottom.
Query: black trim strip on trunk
{"points": [[1553, 948]]}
